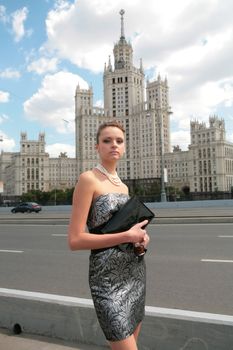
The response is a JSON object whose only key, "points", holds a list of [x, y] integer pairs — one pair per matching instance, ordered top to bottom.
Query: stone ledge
{"points": [[74, 319]]}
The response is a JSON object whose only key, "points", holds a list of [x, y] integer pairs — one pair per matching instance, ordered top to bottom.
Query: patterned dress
{"points": [[117, 277]]}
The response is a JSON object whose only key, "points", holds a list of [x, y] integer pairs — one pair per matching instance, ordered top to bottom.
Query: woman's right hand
{"points": [[136, 233]]}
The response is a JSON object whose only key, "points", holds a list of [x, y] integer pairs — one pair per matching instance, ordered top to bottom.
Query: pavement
{"points": [[11, 341]]}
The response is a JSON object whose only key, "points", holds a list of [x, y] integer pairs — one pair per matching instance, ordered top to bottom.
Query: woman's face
{"points": [[111, 144]]}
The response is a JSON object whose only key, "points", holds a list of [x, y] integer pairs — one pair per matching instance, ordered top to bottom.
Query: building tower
{"points": [[123, 85], [146, 122], [212, 157]]}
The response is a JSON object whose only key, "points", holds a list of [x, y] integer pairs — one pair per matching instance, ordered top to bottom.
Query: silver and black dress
{"points": [[117, 277]]}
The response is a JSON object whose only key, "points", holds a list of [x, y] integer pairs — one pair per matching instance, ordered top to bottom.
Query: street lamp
{"points": [[163, 193], [55, 196]]}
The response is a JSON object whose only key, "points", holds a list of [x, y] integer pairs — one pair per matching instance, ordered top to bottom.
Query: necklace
{"points": [[114, 179]]}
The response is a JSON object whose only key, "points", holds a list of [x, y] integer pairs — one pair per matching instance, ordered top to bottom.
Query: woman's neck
{"points": [[110, 167], [112, 177]]}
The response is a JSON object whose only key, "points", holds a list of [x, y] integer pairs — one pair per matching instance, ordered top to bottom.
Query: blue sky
{"points": [[49, 47]]}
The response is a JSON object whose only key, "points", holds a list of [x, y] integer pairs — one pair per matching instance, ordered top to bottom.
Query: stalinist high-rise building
{"points": [[143, 109], [143, 115]]}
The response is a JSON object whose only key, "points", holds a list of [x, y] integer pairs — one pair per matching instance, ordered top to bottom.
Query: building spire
{"points": [[122, 23]]}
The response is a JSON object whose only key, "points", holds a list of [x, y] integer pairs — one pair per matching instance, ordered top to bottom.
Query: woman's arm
{"points": [[78, 237]]}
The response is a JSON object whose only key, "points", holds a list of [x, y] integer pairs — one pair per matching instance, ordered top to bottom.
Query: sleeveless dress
{"points": [[117, 277]]}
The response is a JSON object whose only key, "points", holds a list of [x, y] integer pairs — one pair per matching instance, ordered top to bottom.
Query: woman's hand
{"points": [[137, 234], [145, 241], [140, 247]]}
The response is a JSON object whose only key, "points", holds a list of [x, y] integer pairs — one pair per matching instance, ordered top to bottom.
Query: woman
{"points": [[116, 275]]}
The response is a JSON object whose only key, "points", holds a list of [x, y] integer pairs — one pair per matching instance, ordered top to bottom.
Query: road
{"points": [[189, 266]]}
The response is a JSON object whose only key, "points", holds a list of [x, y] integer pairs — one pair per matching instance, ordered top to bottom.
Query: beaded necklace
{"points": [[114, 179]]}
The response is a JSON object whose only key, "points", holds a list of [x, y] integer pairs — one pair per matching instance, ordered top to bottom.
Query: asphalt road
{"points": [[189, 266]]}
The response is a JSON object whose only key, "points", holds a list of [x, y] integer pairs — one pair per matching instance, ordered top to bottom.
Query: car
{"points": [[26, 207]]}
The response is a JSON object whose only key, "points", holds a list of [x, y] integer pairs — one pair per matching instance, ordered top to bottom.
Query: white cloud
{"points": [[61, 4], [3, 16], [18, 19], [191, 43], [86, 48], [43, 65], [10, 73], [227, 87], [4, 96], [99, 103], [53, 104], [3, 118], [181, 138], [6, 144], [54, 150]]}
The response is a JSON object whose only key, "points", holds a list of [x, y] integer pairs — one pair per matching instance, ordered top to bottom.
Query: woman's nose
{"points": [[114, 144]]}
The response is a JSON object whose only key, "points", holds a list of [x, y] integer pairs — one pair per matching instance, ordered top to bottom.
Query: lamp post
{"points": [[55, 196], [163, 196]]}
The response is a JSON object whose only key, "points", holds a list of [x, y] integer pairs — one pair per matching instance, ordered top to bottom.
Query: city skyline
{"points": [[43, 63]]}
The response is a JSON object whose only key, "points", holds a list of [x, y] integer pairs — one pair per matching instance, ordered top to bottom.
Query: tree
{"points": [[186, 191], [56, 196]]}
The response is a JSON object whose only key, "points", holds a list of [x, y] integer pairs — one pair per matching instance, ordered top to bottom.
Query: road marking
{"points": [[59, 234], [225, 236], [10, 251], [216, 260]]}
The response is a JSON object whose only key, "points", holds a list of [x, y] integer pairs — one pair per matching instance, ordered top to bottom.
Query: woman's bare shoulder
{"points": [[89, 174], [87, 178], [85, 186]]}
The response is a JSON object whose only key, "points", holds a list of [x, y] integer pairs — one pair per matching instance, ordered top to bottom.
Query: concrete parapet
{"points": [[50, 315], [74, 319]]}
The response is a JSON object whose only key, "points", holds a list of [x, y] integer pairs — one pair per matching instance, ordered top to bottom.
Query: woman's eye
{"points": [[120, 141]]}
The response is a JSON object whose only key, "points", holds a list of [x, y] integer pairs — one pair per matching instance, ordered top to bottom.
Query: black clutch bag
{"points": [[131, 213]]}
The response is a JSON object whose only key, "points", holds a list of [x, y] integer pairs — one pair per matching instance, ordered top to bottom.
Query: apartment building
{"points": [[146, 119], [211, 155], [205, 166], [32, 169]]}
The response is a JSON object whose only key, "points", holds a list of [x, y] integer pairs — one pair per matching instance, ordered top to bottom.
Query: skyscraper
{"points": [[144, 113]]}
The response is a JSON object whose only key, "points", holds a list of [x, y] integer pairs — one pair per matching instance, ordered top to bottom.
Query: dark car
{"points": [[26, 207]]}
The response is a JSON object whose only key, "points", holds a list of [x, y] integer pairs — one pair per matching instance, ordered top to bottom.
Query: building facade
{"points": [[144, 111], [145, 119], [211, 157], [177, 165], [205, 166], [32, 169], [62, 172]]}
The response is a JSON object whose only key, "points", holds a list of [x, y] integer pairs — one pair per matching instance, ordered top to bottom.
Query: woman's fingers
{"points": [[143, 223]]}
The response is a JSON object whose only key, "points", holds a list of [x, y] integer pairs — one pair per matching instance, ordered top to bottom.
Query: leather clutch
{"points": [[131, 213]]}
